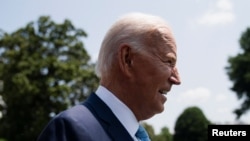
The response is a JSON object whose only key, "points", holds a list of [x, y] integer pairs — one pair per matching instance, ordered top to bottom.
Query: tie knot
{"points": [[142, 134]]}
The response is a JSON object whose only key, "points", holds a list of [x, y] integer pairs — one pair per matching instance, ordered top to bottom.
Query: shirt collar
{"points": [[121, 111]]}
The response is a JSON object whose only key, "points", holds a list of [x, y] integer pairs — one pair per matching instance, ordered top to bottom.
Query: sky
{"points": [[207, 32]]}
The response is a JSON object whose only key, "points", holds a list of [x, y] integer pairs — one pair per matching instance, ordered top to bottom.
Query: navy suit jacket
{"points": [[91, 121]]}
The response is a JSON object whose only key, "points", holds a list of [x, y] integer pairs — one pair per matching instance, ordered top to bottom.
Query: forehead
{"points": [[161, 41]]}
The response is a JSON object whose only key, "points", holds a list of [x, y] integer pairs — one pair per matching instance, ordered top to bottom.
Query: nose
{"points": [[175, 77]]}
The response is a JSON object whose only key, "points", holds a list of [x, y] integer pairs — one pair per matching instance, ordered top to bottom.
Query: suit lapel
{"points": [[107, 119]]}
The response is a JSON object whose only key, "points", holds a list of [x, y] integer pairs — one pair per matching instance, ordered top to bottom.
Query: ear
{"points": [[125, 58]]}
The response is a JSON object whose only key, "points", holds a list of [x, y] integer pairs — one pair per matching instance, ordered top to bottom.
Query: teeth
{"points": [[163, 92]]}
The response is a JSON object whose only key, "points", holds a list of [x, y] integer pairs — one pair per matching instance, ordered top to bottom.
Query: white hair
{"points": [[129, 29]]}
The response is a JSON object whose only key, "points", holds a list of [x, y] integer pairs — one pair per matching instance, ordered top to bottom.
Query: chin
{"points": [[161, 110], [153, 114]]}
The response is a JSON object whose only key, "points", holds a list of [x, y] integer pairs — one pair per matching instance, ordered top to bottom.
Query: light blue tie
{"points": [[142, 134]]}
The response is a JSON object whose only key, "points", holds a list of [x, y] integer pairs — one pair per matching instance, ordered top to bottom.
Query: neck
{"points": [[117, 87]]}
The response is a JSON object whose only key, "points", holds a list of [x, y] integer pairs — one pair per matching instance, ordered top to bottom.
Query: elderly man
{"points": [[137, 68]]}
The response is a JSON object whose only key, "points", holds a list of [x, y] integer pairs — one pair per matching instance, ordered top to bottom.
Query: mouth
{"points": [[163, 92]]}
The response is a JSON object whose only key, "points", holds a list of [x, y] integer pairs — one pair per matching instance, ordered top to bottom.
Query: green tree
{"points": [[45, 69], [238, 71], [191, 125], [149, 128], [164, 135]]}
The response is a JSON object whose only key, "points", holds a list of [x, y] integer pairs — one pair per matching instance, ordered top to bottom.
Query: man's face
{"points": [[154, 74]]}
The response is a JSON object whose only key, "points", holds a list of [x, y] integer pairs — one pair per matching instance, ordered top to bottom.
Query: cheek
{"points": [[162, 73], [149, 74], [151, 78]]}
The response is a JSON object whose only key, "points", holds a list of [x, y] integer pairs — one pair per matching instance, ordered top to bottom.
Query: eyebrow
{"points": [[171, 56]]}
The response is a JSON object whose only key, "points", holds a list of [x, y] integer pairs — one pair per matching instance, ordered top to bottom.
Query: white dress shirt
{"points": [[120, 110]]}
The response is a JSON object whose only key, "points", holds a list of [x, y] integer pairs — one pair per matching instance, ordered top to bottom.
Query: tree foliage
{"points": [[45, 69], [238, 71], [191, 125], [149, 128], [164, 135]]}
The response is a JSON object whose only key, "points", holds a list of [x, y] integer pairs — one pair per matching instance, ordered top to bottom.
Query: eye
{"points": [[170, 59], [170, 62]]}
